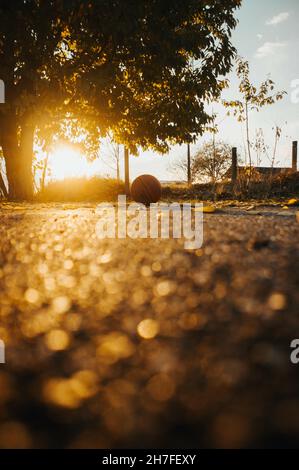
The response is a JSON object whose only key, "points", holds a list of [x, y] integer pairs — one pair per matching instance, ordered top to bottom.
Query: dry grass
{"points": [[260, 187], [81, 189], [99, 189]]}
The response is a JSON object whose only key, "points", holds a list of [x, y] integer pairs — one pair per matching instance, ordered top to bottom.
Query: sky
{"points": [[267, 36]]}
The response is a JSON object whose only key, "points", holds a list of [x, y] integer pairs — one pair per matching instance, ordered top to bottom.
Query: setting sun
{"points": [[66, 162]]}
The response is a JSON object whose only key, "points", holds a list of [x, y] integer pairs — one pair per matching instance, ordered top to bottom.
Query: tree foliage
{"points": [[141, 70]]}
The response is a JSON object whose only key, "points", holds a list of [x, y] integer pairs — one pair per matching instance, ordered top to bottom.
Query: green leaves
{"points": [[165, 61], [141, 70], [253, 98]]}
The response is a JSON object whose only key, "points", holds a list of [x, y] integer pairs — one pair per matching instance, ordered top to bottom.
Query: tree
{"points": [[30, 36], [88, 69], [253, 99], [111, 156], [212, 161], [180, 168]]}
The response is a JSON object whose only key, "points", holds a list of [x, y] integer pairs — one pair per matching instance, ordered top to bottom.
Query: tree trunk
{"points": [[248, 137], [18, 160], [26, 161], [117, 163], [44, 174], [3, 187]]}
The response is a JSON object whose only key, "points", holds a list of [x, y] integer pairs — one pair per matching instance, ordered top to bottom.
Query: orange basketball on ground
{"points": [[146, 189]]}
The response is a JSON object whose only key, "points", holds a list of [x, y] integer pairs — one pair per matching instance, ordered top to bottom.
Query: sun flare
{"points": [[66, 162]]}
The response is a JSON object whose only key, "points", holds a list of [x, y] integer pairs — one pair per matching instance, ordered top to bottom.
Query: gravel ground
{"points": [[140, 343]]}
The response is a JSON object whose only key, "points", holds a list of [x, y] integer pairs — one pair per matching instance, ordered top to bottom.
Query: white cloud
{"points": [[278, 18], [259, 36], [269, 49]]}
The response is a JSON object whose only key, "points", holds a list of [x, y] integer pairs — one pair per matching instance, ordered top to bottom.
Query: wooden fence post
{"points": [[295, 155], [188, 164], [234, 165], [127, 172]]}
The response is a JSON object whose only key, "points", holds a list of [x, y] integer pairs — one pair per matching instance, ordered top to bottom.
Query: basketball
{"points": [[146, 189]]}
